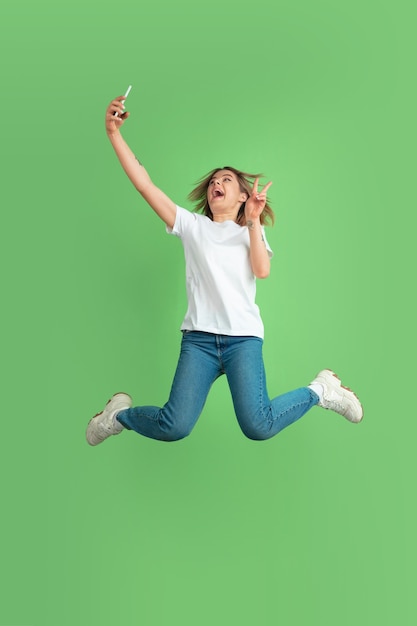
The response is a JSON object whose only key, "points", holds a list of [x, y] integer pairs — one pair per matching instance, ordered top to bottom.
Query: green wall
{"points": [[315, 527]]}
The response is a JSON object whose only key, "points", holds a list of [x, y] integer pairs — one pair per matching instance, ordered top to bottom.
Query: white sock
{"points": [[318, 389]]}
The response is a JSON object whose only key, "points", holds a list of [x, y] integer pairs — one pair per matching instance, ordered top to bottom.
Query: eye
{"points": [[227, 179]]}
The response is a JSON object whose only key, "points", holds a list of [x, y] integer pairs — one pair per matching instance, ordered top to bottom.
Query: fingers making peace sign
{"points": [[256, 202]]}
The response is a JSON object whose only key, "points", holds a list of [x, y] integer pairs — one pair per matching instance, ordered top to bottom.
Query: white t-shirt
{"points": [[221, 286]]}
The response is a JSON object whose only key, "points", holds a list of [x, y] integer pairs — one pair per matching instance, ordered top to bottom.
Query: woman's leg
{"points": [[197, 369], [258, 416]]}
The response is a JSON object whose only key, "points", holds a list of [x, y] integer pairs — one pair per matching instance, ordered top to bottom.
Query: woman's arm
{"points": [[163, 206], [259, 256]]}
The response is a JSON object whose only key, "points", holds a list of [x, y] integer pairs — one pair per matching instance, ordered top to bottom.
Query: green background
{"points": [[314, 527]]}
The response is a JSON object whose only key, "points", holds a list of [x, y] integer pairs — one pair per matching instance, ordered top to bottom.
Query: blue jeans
{"points": [[203, 358]]}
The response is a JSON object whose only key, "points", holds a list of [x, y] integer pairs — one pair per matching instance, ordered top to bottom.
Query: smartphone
{"points": [[124, 98]]}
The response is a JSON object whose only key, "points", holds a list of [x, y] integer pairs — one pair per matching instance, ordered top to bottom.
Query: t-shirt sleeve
{"points": [[184, 219]]}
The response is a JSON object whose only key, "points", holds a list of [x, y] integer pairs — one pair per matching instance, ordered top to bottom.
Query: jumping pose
{"points": [[226, 250]]}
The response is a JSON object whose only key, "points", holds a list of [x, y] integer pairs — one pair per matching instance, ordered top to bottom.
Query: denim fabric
{"points": [[203, 358]]}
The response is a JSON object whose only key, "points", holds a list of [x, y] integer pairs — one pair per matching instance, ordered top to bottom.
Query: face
{"points": [[224, 194]]}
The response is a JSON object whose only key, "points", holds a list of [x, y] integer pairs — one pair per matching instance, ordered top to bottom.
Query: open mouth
{"points": [[217, 193]]}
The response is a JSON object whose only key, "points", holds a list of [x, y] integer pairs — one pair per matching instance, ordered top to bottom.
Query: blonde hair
{"points": [[245, 180]]}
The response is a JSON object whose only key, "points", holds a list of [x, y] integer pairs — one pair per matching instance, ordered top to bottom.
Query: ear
{"points": [[243, 196]]}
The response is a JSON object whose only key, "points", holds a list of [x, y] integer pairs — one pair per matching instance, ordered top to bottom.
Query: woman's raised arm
{"points": [[163, 206]]}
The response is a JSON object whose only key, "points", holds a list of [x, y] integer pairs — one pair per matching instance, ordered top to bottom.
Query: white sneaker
{"points": [[338, 398], [104, 424]]}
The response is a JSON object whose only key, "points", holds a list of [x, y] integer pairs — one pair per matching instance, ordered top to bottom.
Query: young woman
{"points": [[222, 333]]}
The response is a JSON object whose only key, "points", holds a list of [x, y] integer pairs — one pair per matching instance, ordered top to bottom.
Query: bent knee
{"points": [[175, 433], [256, 434]]}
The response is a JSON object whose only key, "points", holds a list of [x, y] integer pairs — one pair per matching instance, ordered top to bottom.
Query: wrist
{"points": [[113, 133], [114, 136], [253, 223]]}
